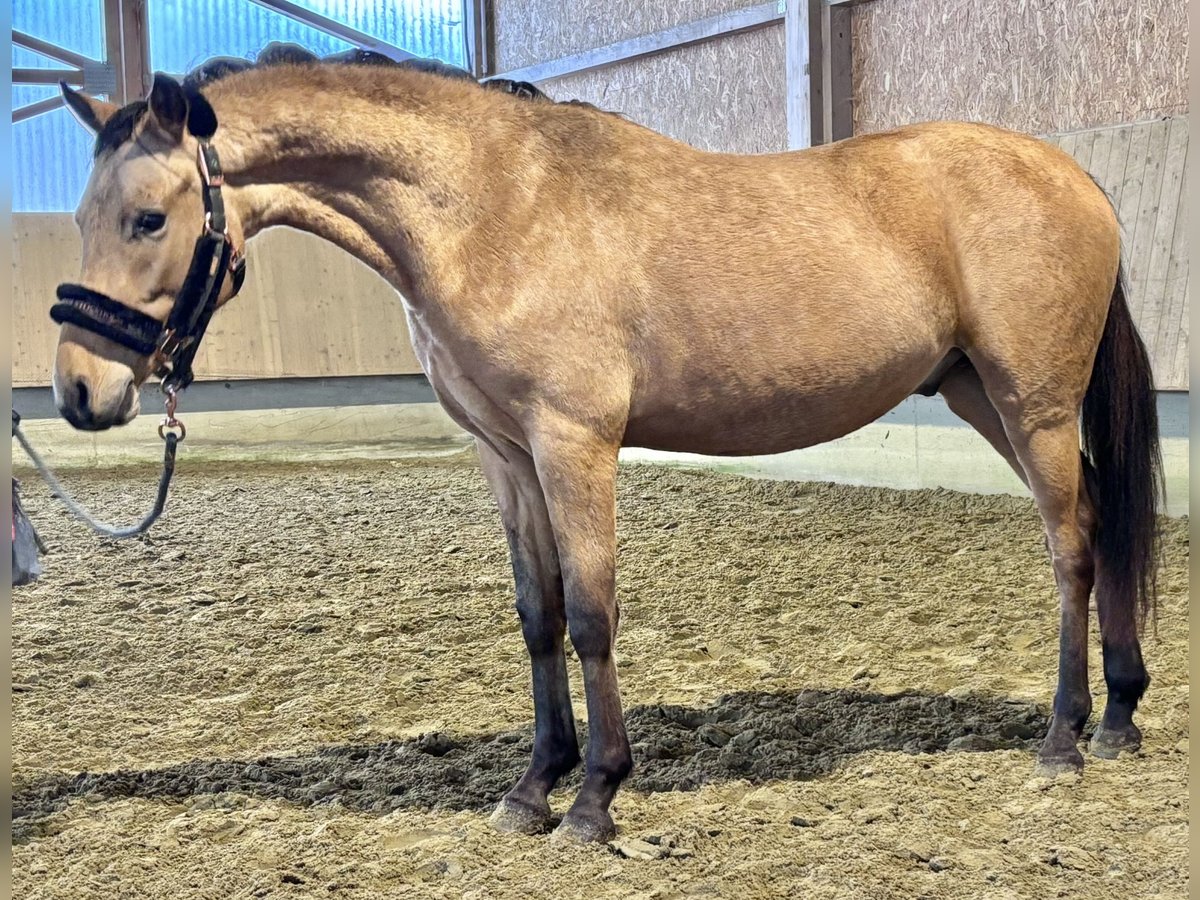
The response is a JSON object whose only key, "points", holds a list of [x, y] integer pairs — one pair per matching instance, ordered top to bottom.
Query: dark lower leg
{"points": [[1050, 457], [579, 481], [539, 592], [1124, 673], [1072, 700], [555, 745], [609, 759]]}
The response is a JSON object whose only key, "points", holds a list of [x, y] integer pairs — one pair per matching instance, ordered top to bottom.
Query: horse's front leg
{"points": [[577, 471], [543, 622]]}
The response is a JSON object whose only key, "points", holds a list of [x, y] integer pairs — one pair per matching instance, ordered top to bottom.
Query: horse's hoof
{"points": [[1109, 743], [1062, 762], [520, 818], [585, 828]]}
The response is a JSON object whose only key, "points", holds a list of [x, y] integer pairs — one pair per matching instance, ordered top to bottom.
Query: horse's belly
{"points": [[757, 408]]}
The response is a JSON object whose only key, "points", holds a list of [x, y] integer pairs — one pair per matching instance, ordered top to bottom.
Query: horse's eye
{"points": [[149, 222]]}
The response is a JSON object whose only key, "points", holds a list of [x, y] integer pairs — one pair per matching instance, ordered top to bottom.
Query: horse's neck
{"points": [[395, 187]]}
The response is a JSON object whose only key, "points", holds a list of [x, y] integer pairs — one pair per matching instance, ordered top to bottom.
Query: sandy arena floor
{"points": [[310, 682]]}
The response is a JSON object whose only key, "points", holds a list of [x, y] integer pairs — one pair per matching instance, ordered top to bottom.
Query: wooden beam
{"points": [[847, 4], [818, 13], [742, 20], [332, 27], [797, 33], [480, 47], [127, 48], [135, 50], [53, 51], [837, 74], [48, 76], [36, 109]]}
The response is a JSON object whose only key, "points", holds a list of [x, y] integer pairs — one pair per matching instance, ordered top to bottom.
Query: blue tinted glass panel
{"points": [[74, 24], [424, 27], [184, 33], [27, 59], [24, 94], [52, 154]]}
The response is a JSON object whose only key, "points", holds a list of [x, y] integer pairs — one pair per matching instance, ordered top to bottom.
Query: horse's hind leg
{"points": [[963, 392], [1042, 427], [1050, 456], [543, 623]]}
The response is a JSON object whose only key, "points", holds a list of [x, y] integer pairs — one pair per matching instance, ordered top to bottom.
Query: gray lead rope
{"points": [[170, 439]]}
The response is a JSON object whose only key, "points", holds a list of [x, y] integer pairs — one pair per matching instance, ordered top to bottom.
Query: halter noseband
{"points": [[172, 346]]}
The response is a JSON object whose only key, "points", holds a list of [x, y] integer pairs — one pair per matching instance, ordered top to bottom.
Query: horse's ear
{"points": [[168, 106], [91, 113], [201, 119]]}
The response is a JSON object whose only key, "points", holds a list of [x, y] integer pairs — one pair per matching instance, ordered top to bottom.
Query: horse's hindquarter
{"points": [[803, 295], [792, 305]]}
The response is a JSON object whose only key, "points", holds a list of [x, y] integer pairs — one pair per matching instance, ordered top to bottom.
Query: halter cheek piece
{"points": [[173, 346]]}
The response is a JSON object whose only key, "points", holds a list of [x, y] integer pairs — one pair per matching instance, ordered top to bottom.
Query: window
{"points": [[184, 33], [50, 150], [52, 154]]}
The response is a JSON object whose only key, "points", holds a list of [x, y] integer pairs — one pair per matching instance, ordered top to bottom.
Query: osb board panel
{"points": [[536, 31], [1037, 66], [727, 94], [1142, 167], [307, 309]]}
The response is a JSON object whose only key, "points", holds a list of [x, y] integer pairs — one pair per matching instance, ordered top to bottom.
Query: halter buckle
{"points": [[211, 232], [170, 344]]}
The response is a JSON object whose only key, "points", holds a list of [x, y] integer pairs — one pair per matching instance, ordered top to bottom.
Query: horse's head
{"points": [[140, 216]]}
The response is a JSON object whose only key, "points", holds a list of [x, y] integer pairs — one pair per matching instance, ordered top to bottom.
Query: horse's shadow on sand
{"points": [[752, 735]]}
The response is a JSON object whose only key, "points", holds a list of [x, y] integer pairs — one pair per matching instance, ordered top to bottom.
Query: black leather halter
{"points": [[172, 346]]}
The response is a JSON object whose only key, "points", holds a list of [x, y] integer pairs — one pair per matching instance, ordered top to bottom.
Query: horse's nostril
{"points": [[81, 395]]}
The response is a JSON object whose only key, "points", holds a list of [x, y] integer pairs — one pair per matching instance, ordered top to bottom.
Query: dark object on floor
{"points": [[25, 543]]}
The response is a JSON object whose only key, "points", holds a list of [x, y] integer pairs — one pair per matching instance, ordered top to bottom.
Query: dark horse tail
{"points": [[1120, 439]]}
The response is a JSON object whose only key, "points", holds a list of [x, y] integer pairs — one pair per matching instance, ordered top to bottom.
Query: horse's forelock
{"points": [[119, 129]]}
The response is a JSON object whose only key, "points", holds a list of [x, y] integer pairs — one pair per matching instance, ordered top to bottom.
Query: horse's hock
{"points": [[847, 679]]}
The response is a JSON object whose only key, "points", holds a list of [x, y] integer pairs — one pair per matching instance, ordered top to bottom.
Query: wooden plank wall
{"points": [[1142, 167], [307, 309]]}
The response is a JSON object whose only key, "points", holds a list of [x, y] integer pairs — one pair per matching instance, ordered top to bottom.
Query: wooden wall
{"points": [[534, 31], [1039, 66], [727, 94], [1142, 167], [307, 309]]}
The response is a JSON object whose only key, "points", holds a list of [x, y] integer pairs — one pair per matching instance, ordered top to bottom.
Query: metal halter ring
{"points": [[169, 421], [167, 424]]}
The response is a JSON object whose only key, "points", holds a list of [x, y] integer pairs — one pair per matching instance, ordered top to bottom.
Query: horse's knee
{"points": [[539, 607], [592, 612], [593, 629]]}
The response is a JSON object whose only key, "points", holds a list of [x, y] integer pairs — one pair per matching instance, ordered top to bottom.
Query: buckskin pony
{"points": [[575, 283]]}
